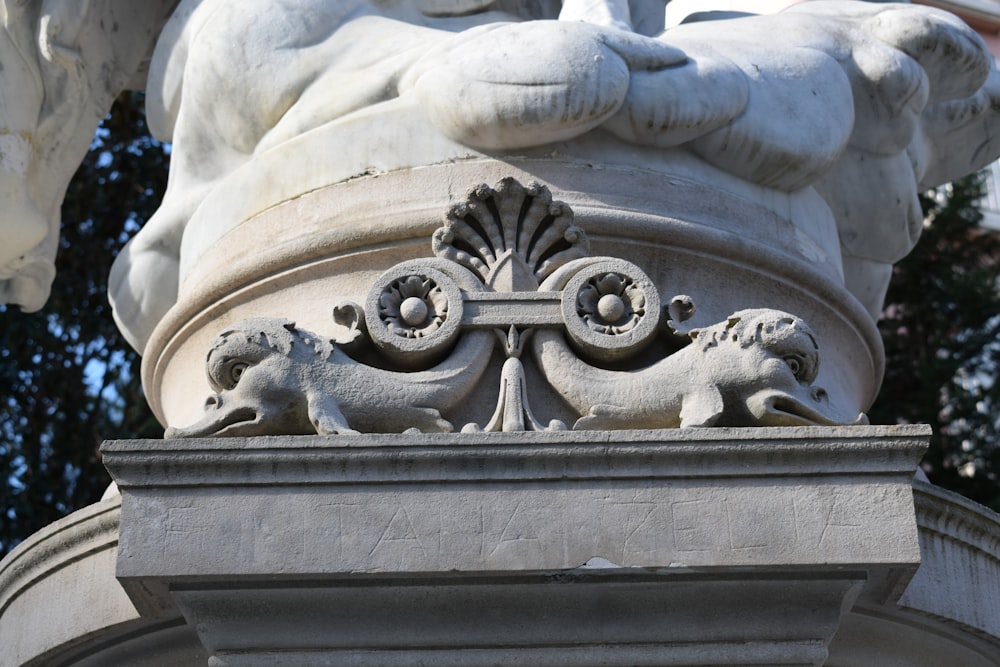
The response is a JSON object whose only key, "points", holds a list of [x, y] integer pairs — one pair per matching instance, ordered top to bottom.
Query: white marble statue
{"points": [[62, 63], [865, 103]]}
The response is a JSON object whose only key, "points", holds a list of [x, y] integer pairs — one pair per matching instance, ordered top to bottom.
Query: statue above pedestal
{"points": [[63, 64], [854, 100], [830, 116]]}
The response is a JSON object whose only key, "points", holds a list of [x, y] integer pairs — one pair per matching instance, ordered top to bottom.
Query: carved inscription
{"points": [[528, 528], [182, 529]]}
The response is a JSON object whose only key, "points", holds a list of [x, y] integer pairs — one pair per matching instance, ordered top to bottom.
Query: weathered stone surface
{"points": [[63, 65], [880, 99], [723, 252], [510, 262], [754, 369], [272, 378], [519, 501], [732, 546], [554, 548], [961, 548], [270, 578], [60, 603], [948, 613], [576, 618]]}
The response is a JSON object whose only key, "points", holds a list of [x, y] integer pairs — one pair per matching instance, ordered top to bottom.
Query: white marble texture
{"points": [[64, 62], [853, 99], [801, 496], [676, 547]]}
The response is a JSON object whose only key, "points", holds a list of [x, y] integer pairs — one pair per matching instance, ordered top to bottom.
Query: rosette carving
{"points": [[512, 267], [611, 303], [413, 306], [610, 307], [414, 311]]}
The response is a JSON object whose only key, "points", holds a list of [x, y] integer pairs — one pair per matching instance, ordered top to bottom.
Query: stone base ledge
{"points": [[451, 458], [516, 502], [960, 543], [676, 547], [272, 601], [949, 613], [34, 616], [571, 619]]}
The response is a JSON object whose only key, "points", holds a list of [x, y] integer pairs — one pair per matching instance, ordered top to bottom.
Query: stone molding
{"points": [[722, 250], [432, 458], [960, 543], [59, 545], [473, 548], [61, 605], [559, 609], [949, 612], [575, 619], [38, 621]]}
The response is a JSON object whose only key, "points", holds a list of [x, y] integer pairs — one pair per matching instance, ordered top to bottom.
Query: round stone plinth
{"points": [[729, 247], [60, 603]]}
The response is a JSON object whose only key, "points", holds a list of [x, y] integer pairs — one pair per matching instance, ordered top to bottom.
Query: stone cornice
{"points": [[566, 455], [960, 554]]}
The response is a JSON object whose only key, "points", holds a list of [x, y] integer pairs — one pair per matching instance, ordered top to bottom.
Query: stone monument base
{"points": [[766, 546], [61, 605]]}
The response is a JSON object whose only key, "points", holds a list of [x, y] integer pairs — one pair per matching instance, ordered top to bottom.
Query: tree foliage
{"points": [[941, 327], [68, 380]]}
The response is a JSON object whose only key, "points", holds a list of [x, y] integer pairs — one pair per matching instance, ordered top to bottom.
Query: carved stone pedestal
{"points": [[517, 230], [678, 547]]}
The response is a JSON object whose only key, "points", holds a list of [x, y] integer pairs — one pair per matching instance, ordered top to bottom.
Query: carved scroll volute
{"points": [[511, 267], [610, 307], [415, 309]]}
